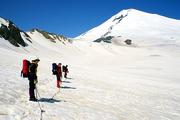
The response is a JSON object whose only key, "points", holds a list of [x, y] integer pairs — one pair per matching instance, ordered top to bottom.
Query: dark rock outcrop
{"points": [[13, 34], [51, 36], [104, 39], [128, 42]]}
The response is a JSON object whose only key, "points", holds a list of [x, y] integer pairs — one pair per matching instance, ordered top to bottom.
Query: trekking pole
{"points": [[36, 91], [55, 94], [41, 110]]}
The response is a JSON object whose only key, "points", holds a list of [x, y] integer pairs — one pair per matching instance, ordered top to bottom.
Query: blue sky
{"points": [[73, 17]]}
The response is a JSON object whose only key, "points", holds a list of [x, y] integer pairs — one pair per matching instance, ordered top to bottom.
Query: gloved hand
{"points": [[35, 81]]}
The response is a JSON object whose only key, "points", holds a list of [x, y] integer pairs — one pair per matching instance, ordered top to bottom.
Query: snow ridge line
{"points": [[118, 19]]}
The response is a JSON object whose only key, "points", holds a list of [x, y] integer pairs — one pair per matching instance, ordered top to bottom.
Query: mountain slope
{"points": [[143, 28], [9, 31], [14, 35], [51, 36], [105, 81]]}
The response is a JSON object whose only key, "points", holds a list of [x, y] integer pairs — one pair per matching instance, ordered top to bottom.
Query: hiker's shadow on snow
{"points": [[66, 81], [66, 87], [50, 100]]}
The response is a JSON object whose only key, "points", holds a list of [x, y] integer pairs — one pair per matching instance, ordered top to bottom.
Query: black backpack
{"points": [[54, 68], [64, 68]]}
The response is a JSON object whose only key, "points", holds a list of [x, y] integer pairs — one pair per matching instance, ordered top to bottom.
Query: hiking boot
{"points": [[33, 99]]}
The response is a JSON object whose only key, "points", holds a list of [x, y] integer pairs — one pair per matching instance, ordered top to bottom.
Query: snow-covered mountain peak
{"points": [[128, 11], [4, 22], [107, 26], [140, 27]]}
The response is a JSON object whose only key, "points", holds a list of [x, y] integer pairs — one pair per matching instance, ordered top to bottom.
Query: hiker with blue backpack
{"points": [[57, 70]]}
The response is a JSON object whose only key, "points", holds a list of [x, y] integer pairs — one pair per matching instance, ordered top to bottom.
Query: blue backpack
{"points": [[54, 68]]}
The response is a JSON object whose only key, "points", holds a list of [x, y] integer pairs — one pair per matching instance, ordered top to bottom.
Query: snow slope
{"points": [[143, 28], [106, 81]]}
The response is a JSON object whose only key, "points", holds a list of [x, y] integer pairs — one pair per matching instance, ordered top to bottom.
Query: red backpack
{"points": [[25, 68]]}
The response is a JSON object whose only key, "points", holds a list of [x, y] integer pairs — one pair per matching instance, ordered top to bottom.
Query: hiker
{"points": [[65, 70], [59, 75], [32, 77]]}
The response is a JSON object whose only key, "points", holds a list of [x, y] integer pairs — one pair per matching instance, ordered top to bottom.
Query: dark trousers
{"points": [[65, 74], [32, 77], [58, 80], [31, 89]]}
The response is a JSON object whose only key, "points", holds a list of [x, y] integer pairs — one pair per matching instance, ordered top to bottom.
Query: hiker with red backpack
{"points": [[56, 70], [29, 71], [59, 75], [32, 77]]}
